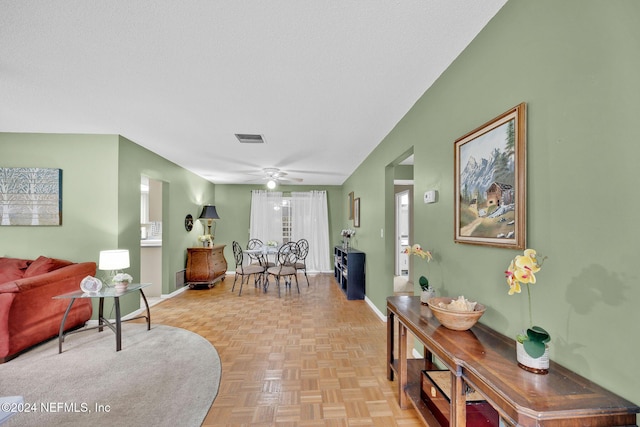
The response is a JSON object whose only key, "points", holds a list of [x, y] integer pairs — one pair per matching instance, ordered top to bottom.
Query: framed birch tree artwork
{"points": [[30, 196]]}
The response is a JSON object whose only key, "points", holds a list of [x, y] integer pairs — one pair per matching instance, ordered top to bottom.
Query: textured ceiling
{"points": [[324, 82]]}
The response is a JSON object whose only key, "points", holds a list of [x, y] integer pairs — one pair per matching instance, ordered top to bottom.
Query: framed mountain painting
{"points": [[490, 182]]}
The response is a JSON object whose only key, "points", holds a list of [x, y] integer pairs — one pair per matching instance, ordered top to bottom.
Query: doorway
{"points": [[151, 206], [403, 223], [402, 233]]}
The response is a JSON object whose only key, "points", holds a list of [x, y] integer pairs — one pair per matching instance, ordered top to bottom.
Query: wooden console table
{"points": [[205, 266], [485, 360]]}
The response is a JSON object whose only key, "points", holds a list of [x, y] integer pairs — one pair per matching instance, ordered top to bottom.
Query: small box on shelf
{"points": [[435, 392]]}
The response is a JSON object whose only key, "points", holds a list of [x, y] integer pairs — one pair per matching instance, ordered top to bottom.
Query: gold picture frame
{"points": [[490, 182], [350, 202], [356, 212]]}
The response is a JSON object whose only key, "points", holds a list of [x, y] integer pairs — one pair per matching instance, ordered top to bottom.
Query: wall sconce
{"points": [[209, 213]]}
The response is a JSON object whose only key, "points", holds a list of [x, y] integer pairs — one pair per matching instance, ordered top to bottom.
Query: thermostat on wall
{"points": [[430, 196]]}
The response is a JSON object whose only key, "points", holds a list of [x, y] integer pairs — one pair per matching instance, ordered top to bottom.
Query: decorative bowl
{"points": [[90, 284], [456, 320]]}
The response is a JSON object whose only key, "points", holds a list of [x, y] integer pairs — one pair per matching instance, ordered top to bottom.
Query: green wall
{"points": [[575, 64], [182, 193], [89, 194], [101, 201], [233, 203]]}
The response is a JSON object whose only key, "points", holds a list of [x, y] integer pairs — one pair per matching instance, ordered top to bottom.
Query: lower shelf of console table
{"points": [[413, 387], [414, 394]]}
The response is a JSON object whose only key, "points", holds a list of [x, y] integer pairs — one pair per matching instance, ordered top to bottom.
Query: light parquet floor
{"points": [[308, 359]]}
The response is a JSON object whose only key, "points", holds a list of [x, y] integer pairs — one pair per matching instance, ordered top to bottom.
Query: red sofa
{"points": [[28, 313]]}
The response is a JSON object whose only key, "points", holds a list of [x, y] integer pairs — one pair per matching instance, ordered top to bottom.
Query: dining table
{"points": [[261, 254]]}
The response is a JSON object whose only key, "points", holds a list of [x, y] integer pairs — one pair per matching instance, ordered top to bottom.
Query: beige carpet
{"points": [[163, 377]]}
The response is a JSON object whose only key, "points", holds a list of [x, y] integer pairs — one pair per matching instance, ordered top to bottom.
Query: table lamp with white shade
{"points": [[114, 261]]}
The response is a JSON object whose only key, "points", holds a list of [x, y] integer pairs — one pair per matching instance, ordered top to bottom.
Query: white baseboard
{"points": [[174, 293], [371, 305], [142, 310], [416, 353]]}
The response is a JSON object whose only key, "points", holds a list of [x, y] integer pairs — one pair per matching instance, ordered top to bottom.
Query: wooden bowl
{"points": [[456, 320]]}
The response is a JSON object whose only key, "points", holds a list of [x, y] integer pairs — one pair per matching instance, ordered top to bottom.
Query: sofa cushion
{"points": [[44, 265], [12, 269]]}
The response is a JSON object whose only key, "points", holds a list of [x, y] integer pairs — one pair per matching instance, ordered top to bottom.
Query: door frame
{"points": [[398, 245]]}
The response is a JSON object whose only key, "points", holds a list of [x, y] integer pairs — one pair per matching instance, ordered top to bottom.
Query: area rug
{"points": [[163, 377]]}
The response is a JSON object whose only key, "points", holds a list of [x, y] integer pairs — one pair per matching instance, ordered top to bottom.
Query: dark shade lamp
{"points": [[209, 213]]}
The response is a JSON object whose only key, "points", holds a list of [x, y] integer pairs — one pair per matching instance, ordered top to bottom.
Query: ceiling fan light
{"points": [[271, 184]]}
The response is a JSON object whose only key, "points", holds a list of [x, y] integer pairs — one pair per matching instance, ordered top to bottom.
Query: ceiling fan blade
{"points": [[322, 172], [289, 179], [254, 180]]}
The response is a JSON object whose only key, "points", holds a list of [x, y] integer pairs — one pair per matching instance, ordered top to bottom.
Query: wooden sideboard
{"points": [[205, 266], [485, 360]]}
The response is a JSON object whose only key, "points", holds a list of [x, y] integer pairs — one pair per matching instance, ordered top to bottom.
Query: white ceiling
{"points": [[323, 81]]}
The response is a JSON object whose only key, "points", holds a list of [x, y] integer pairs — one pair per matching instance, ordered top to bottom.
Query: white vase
{"points": [[122, 286], [427, 295], [539, 365]]}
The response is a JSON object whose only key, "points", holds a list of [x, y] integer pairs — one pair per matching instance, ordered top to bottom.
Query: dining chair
{"points": [[254, 244], [302, 249], [258, 258], [285, 267], [244, 270]]}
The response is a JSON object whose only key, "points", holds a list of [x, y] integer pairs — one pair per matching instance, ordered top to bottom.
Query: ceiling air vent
{"points": [[248, 138]]}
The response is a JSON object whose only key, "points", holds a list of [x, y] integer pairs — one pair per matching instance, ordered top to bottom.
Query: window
{"points": [[286, 219], [289, 219]]}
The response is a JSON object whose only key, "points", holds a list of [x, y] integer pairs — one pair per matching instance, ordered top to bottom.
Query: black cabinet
{"points": [[348, 269]]}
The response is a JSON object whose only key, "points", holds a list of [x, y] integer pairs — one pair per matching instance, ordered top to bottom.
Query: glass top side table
{"points": [[102, 321]]}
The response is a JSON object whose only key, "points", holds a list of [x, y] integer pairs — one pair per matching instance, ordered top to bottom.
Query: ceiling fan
{"points": [[274, 175]]}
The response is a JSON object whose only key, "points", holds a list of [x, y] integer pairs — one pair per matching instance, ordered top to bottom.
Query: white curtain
{"points": [[266, 216], [310, 220]]}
